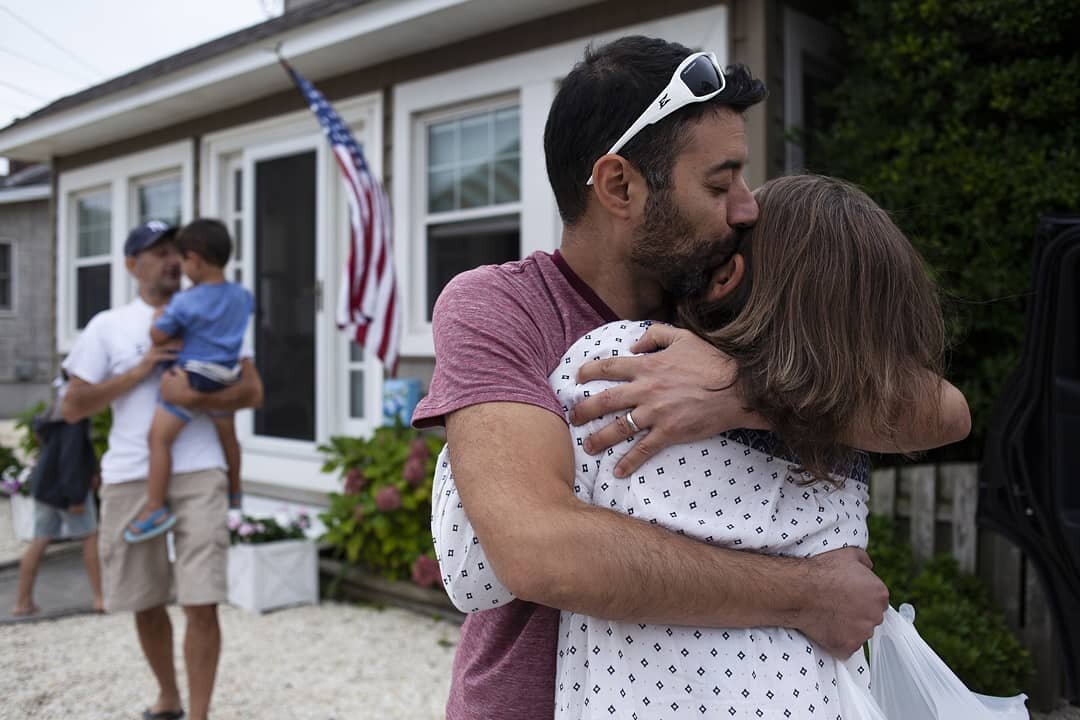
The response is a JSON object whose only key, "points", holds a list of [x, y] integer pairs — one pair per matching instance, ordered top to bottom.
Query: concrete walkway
{"points": [[61, 589]]}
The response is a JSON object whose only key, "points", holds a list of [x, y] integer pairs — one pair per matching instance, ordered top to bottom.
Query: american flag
{"points": [[368, 307]]}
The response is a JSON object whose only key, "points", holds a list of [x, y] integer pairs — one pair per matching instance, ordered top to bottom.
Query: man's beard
{"points": [[668, 246]]}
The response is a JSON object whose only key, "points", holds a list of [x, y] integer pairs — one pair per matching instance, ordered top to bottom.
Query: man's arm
{"points": [[159, 337], [246, 393], [686, 393], [84, 399], [921, 428], [513, 464]]}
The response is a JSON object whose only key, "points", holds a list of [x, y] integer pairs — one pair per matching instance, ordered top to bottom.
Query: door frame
{"points": [[275, 461]]}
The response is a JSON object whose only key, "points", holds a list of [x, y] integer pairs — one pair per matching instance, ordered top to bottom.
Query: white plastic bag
{"points": [[910, 682], [855, 702]]}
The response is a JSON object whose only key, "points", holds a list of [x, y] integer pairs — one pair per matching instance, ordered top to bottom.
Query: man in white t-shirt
{"points": [[113, 363]]}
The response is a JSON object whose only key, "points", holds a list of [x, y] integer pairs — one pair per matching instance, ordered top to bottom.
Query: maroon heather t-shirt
{"points": [[499, 332]]}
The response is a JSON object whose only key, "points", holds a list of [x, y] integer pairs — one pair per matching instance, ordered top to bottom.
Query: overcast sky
{"points": [[52, 48]]}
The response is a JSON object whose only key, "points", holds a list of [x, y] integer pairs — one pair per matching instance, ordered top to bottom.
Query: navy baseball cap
{"points": [[146, 235]]}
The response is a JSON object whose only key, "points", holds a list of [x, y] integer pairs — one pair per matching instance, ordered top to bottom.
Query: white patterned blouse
{"points": [[730, 491]]}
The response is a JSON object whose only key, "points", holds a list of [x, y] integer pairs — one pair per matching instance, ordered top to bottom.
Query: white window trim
{"points": [[533, 77], [117, 175], [13, 282], [291, 463]]}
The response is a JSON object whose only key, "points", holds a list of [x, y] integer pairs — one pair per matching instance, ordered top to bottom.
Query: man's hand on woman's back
{"points": [[682, 394]]}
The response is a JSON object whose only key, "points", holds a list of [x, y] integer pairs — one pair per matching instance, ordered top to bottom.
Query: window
{"points": [[472, 196], [158, 199], [96, 207], [232, 213], [93, 248], [6, 295], [355, 368]]}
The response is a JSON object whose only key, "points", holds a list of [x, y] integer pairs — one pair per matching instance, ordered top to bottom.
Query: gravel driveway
{"points": [[328, 662]]}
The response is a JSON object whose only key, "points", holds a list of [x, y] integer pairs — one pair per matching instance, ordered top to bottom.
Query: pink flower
{"points": [[419, 449], [415, 471], [355, 481], [388, 499], [358, 513], [303, 520], [235, 521], [246, 530], [425, 572]]}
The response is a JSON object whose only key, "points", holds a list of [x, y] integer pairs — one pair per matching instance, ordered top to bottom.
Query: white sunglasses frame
{"points": [[672, 98]]}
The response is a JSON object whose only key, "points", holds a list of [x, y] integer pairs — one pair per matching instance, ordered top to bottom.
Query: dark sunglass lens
{"points": [[701, 77]]}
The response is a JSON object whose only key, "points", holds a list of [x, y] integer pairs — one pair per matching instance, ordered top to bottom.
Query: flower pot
{"points": [[22, 517], [272, 575]]}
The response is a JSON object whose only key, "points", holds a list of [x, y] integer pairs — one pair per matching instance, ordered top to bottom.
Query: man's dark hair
{"points": [[601, 98], [207, 238]]}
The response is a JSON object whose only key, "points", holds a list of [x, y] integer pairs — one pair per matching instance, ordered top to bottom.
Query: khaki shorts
{"points": [[137, 576]]}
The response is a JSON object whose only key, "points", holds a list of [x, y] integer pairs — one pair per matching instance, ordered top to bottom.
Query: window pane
{"points": [[507, 132], [476, 138], [441, 144], [507, 181], [476, 185], [441, 190], [238, 191], [160, 200], [93, 224], [238, 239], [456, 247], [5, 276], [92, 292], [356, 352], [356, 393]]}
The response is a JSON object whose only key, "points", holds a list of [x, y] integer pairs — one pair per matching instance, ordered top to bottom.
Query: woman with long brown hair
{"points": [[830, 316]]}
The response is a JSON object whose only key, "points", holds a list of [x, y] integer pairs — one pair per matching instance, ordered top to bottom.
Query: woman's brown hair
{"points": [[836, 324]]}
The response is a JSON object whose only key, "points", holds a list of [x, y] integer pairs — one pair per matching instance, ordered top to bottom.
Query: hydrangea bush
{"points": [[381, 519]]}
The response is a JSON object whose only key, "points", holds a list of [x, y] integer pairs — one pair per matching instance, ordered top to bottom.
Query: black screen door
{"points": [[285, 294]]}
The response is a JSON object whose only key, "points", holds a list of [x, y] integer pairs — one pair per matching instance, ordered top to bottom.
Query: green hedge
{"points": [[961, 118]]}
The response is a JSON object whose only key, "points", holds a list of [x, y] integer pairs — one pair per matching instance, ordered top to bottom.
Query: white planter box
{"points": [[22, 517], [272, 575]]}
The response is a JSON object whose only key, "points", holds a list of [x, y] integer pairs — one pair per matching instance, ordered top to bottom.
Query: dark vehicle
{"points": [[1029, 489]]}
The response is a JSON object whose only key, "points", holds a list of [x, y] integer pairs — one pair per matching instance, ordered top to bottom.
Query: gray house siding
{"points": [[26, 332]]}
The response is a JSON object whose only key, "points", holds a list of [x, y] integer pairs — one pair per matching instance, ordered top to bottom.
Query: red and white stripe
{"points": [[368, 307]]}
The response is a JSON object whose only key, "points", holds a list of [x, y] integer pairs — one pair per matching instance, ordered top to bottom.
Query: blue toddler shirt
{"points": [[211, 320]]}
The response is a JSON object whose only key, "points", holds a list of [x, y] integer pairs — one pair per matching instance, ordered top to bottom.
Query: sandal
{"points": [[157, 523], [163, 715]]}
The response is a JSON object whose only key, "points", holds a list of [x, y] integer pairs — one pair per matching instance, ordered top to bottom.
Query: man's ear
{"points": [[618, 186], [129, 263], [727, 278]]}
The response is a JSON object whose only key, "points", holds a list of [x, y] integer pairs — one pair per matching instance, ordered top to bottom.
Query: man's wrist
{"points": [[803, 589]]}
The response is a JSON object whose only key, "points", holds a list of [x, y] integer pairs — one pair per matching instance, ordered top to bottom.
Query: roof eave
{"points": [[351, 39]]}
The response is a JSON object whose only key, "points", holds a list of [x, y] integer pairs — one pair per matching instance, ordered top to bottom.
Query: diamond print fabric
{"points": [[729, 491]]}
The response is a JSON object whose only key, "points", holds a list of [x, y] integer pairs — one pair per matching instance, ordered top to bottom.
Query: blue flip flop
{"points": [[150, 527]]}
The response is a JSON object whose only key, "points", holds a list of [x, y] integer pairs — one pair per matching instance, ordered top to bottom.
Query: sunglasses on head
{"points": [[697, 79]]}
